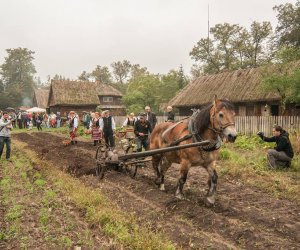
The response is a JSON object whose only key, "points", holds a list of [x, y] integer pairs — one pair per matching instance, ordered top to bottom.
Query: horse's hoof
{"points": [[157, 181], [162, 187], [179, 196], [209, 201]]}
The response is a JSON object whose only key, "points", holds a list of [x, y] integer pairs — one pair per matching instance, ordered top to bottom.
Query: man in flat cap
{"points": [[142, 129]]}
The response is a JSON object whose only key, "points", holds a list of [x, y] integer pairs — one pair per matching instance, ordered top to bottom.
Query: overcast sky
{"points": [[69, 36]]}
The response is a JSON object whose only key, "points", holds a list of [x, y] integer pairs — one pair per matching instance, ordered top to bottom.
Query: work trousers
{"points": [[5, 141]]}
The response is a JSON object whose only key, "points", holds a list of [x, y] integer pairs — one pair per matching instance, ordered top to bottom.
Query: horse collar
{"points": [[214, 145]]}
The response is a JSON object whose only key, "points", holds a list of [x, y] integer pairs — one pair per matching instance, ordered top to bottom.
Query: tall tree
{"points": [[288, 28], [259, 33], [231, 47], [137, 70], [121, 71], [17, 72], [102, 74], [283, 80], [142, 91]]}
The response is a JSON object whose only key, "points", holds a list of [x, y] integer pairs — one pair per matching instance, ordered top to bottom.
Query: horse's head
{"points": [[222, 119]]}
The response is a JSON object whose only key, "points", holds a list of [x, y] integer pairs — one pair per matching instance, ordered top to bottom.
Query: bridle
{"points": [[222, 127]]}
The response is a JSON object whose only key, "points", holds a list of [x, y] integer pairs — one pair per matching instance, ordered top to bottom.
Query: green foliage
{"points": [[288, 28], [231, 47], [285, 54], [121, 70], [17, 72], [101, 74], [84, 76], [285, 82], [152, 90], [251, 143], [225, 154], [40, 182], [14, 213]]}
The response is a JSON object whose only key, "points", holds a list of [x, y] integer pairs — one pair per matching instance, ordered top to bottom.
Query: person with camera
{"points": [[5, 134], [283, 152]]}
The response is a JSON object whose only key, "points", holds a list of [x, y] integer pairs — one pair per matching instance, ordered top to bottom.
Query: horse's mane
{"points": [[203, 117]]}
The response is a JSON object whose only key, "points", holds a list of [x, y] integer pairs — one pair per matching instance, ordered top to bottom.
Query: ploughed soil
{"points": [[243, 216]]}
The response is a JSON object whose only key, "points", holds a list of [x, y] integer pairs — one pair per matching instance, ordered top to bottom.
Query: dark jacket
{"points": [[151, 117], [171, 117], [142, 128], [282, 143]]}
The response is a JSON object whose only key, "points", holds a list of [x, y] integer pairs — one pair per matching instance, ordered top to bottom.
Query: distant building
{"points": [[242, 87], [80, 96], [40, 98]]}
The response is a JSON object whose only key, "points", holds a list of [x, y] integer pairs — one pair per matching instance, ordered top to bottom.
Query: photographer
{"points": [[5, 134], [283, 152]]}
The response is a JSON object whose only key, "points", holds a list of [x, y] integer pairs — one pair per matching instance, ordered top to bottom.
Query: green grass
{"points": [[245, 160], [28, 195], [123, 228]]}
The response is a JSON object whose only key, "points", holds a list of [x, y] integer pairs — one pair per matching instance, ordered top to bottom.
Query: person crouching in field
{"points": [[73, 126], [95, 128], [5, 134], [283, 152]]}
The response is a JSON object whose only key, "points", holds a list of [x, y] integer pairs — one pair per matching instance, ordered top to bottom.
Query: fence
{"points": [[248, 125]]}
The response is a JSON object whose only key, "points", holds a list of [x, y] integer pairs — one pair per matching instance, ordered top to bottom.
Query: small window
{"points": [[107, 99]]}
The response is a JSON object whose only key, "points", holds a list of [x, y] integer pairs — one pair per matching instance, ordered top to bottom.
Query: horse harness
{"points": [[214, 145]]}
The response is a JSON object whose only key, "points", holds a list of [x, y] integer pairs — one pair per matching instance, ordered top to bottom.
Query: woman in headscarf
{"points": [[95, 128]]}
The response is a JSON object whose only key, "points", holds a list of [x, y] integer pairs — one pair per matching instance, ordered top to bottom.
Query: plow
{"points": [[119, 158]]}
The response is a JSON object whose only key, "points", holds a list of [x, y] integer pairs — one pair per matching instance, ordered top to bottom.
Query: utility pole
{"points": [[208, 28]]}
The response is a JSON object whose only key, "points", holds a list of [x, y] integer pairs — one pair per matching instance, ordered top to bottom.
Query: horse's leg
{"points": [[155, 164], [164, 164], [184, 169], [212, 183]]}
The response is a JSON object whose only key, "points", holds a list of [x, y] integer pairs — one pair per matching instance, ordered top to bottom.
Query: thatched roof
{"points": [[238, 86], [107, 90], [79, 93], [40, 98]]}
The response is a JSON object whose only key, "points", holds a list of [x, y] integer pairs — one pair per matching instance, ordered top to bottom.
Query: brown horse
{"points": [[213, 122]]}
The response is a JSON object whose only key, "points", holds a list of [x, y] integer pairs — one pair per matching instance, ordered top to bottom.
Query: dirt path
{"points": [[243, 217]]}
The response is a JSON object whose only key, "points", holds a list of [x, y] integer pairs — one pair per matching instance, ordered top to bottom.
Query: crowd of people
{"points": [[28, 120], [102, 126]]}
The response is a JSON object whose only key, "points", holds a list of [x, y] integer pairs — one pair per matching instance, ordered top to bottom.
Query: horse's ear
{"points": [[215, 100]]}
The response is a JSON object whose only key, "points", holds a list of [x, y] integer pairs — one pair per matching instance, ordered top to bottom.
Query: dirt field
{"points": [[243, 216]]}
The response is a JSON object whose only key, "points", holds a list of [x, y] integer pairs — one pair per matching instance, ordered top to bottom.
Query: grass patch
{"points": [[246, 160], [30, 204], [123, 228]]}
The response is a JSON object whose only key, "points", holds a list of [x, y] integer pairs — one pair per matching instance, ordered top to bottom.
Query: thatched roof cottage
{"points": [[242, 87], [82, 96], [40, 98]]}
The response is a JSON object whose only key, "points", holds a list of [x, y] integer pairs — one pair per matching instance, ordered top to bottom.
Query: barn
{"points": [[242, 87], [80, 96]]}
